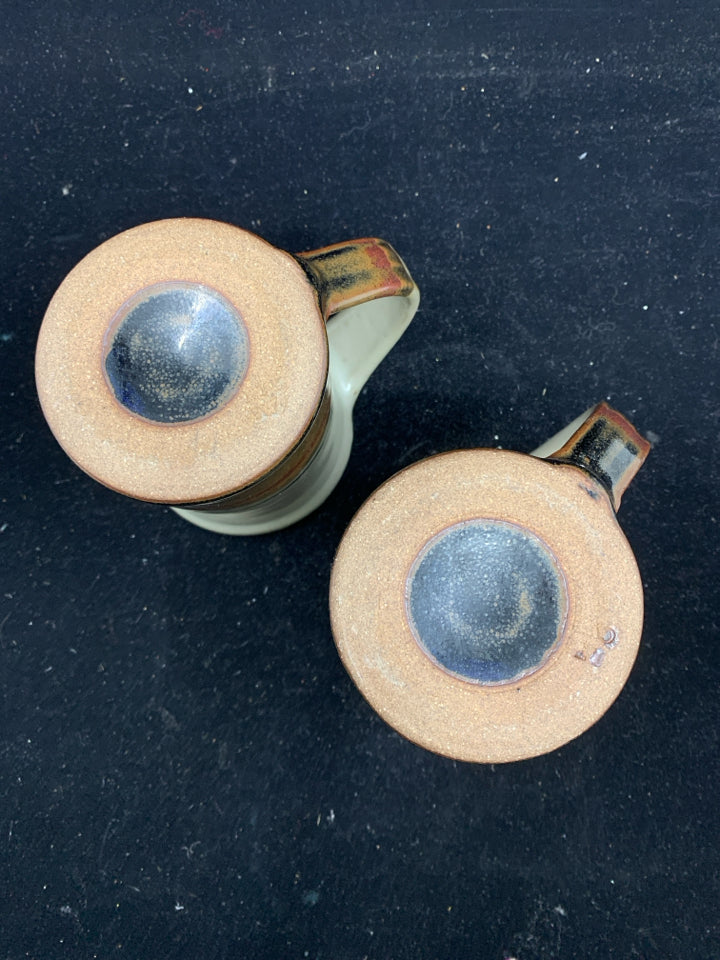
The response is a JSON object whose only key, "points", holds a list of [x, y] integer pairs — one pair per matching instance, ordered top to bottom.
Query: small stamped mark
{"points": [[611, 638], [610, 641], [597, 657]]}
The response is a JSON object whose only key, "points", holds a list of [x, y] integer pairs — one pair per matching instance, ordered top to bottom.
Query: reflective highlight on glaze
{"points": [[176, 352], [608, 447], [486, 601]]}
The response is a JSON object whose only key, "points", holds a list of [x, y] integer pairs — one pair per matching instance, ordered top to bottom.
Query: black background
{"points": [[185, 768]]}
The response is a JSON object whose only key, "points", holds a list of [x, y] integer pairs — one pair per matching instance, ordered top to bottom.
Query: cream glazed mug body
{"points": [[190, 363]]}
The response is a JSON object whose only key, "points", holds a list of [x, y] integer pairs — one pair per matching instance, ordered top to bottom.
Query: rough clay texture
{"points": [[202, 460], [572, 515]]}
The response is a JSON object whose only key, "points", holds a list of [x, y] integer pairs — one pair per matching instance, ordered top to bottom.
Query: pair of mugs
{"points": [[485, 602]]}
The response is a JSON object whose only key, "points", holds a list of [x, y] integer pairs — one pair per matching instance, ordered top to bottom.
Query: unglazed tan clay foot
{"points": [[190, 363], [486, 603]]}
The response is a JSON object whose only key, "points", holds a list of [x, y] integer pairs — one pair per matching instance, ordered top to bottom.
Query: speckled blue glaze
{"points": [[176, 352], [487, 601]]}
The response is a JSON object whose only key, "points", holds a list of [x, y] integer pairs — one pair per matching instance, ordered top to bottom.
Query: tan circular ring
{"points": [[241, 442], [572, 515]]}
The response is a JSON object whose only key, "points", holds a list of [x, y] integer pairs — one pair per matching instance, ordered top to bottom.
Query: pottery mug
{"points": [[190, 363], [486, 602]]}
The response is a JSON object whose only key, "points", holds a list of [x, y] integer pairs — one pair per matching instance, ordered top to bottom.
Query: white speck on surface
{"points": [[190, 89], [582, 155], [66, 188], [645, 306], [178, 906], [560, 910]]}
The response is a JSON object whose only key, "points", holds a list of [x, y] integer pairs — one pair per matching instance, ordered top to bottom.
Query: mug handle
{"points": [[367, 298], [603, 443]]}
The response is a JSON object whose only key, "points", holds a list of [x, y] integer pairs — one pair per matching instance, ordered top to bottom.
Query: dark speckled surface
{"points": [[185, 768]]}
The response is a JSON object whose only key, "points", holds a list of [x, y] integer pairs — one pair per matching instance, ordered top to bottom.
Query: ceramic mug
{"points": [[190, 363], [486, 602]]}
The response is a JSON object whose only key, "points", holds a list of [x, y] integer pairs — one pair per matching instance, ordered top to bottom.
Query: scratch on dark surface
{"points": [[527, 85], [450, 106], [359, 128], [103, 842]]}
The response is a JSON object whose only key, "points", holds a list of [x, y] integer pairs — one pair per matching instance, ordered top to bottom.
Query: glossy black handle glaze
{"points": [[608, 447]]}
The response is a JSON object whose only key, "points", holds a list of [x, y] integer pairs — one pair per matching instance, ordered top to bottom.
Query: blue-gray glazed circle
{"points": [[176, 352], [487, 601]]}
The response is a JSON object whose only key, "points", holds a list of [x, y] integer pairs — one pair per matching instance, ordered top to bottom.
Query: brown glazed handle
{"points": [[346, 274], [368, 298], [608, 447]]}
